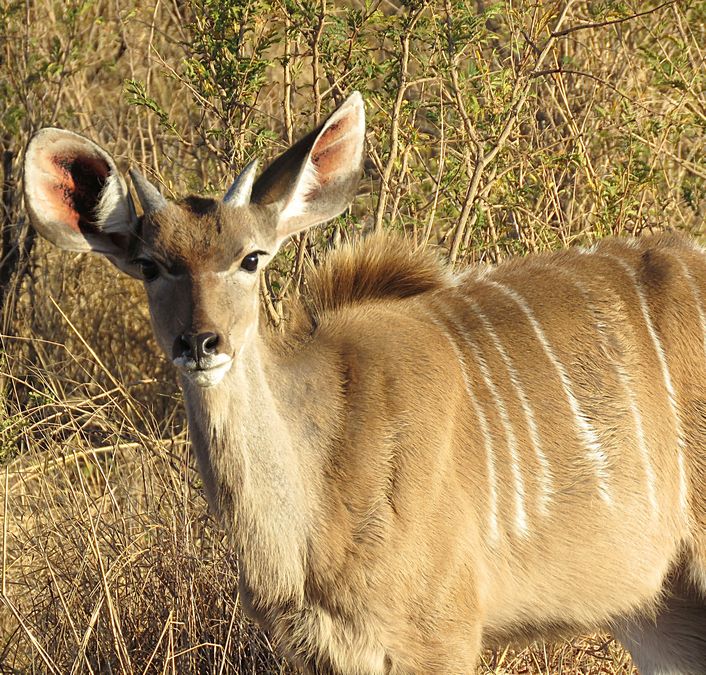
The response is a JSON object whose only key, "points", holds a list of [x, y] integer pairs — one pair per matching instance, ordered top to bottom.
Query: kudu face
{"points": [[199, 258], [200, 261]]}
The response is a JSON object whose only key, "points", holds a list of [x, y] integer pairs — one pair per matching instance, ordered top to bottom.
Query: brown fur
{"points": [[378, 267], [373, 290], [427, 463]]}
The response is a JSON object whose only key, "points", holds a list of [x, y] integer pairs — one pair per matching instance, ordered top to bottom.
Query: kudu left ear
{"points": [[316, 179], [76, 197]]}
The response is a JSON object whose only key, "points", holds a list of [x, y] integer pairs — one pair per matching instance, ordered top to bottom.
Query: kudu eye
{"points": [[249, 263], [148, 269]]}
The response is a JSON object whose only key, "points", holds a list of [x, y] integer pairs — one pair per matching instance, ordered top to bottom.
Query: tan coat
{"points": [[425, 463]]}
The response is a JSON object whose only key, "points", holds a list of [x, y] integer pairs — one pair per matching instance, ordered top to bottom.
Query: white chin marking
{"points": [[207, 377]]}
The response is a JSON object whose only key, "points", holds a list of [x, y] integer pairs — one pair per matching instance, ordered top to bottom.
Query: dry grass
{"points": [[487, 138], [110, 562]]}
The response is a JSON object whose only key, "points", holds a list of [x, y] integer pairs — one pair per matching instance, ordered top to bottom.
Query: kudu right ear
{"points": [[316, 179], [76, 198]]}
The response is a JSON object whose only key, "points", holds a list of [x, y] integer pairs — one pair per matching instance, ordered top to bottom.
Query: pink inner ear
{"points": [[331, 152], [72, 187]]}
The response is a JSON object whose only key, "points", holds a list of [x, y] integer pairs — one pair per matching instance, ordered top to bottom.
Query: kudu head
{"points": [[199, 258]]}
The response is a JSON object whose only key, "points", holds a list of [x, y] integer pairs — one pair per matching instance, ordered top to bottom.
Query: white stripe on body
{"points": [[698, 298], [626, 385], [595, 453], [545, 479], [683, 486], [493, 524], [521, 526]]}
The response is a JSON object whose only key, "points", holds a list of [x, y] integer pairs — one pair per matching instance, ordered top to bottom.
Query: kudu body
{"points": [[426, 463]]}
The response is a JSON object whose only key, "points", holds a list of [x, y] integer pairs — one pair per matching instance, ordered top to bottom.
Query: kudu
{"points": [[426, 463]]}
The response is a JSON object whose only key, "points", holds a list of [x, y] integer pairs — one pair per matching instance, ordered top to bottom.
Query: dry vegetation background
{"points": [[494, 129]]}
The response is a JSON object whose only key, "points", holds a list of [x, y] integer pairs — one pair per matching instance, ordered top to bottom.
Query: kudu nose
{"points": [[197, 346]]}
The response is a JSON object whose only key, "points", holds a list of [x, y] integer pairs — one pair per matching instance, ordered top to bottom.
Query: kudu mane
{"points": [[378, 267]]}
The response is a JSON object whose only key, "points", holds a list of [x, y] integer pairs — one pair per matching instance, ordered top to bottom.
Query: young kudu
{"points": [[426, 463]]}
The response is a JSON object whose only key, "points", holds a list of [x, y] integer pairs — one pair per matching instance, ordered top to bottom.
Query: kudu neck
{"points": [[260, 462]]}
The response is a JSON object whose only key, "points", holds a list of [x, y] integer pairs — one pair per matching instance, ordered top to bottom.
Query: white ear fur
{"points": [[326, 181], [307, 182], [240, 191], [54, 198], [115, 212]]}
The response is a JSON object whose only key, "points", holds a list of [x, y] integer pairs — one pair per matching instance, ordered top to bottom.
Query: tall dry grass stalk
{"points": [[495, 129]]}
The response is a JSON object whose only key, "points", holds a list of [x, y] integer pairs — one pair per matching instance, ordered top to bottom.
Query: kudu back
{"points": [[425, 463]]}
